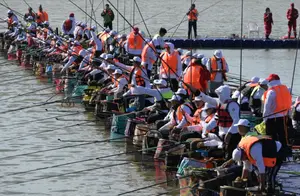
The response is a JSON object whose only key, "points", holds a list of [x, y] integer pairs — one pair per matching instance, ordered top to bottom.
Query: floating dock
{"points": [[228, 43]]}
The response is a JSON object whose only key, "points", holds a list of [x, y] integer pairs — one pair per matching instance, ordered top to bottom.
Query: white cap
{"points": [[9, 12], [29, 18], [46, 23], [77, 23], [83, 24], [93, 27], [107, 30], [113, 33], [76, 43], [90, 50], [180, 50], [188, 53], [218, 54], [103, 55], [195, 55], [109, 56], [200, 56], [137, 59], [204, 60], [143, 63], [111, 67], [118, 71], [254, 80], [160, 82], [263, 82], [181, 91], [175, 98], [198, 98], [208, 106], [243, 122], [237, 154]]}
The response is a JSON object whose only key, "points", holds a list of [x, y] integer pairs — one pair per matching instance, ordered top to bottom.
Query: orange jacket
{"points": [[193, 15], [42, 17], [135, 42], [76, 50], [144, 54], [169, 60], [214, 67], [195, 77], [283, 98], [179, 114], [197, 117], [246, 144]]}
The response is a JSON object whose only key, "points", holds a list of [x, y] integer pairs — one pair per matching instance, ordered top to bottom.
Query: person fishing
{"points": [[30, 13], [292, 15], [41, 16], [108, 17], [192, 18], [11, 20], [268, 22], [31, 26], [68, 26], [159, 41], [135, 43], [149, 56], [171, 68], [218, 68], [120, 84], [255, 101], [264, 153]]}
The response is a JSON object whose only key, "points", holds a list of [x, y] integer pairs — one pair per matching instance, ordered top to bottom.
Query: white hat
{"points": [[9, 12], [29, 18], [46, 23], [77, 23], [83, 24], [93, 28], [107, 30], [113, 33], [76, 43], [90, 50], [180, 50], [188, 53], [218, 54], [103, 55], [195, 55], [109, 56], [200, 56], [137, 59], [204, 60], [143, 63], [111, 67], [118, 71], [254, 80], [160, 82], [263, 82], [181, 91], [175, 98], [198, 98], [208, 106], [243, 122], [237, 154]]}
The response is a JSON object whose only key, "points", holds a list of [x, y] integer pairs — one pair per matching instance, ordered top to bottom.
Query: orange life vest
{"points": [[193, 15], [41, 17], [9, 22], [68, 24], [135, 41], [76, 50], [144, 54], [169, 62], [214, 67], [138, 76], [194, 77], [283, 98], [179, 115], [197, 117], [207, 120], [246, 144]]}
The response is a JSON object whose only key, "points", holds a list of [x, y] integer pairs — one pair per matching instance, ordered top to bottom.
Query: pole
{"points": [[138, 8], [85, 11], [133, 12], [124, 14], [118, 16], [241, 43]]}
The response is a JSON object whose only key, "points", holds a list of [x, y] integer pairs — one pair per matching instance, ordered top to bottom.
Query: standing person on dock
{"points": [[30, 13], [292, 15], [41, 16], [108, 17], [192, 17], [268, 22], [68, 26], [158, 40], [171, 68], [218, 68], [277, 103]]}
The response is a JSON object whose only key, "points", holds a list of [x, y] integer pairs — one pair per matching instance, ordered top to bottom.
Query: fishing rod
{"points": [[143, 20], [179, 23], [20, 95], [41, 119], [71, 120], [45, 131], [65, 174]]}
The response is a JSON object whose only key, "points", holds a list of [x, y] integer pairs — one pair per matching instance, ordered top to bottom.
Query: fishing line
{"points": [[143, 20]]}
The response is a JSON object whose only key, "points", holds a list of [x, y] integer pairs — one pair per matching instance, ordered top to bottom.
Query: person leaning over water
{"points": [[108, 17], [192, 18]]}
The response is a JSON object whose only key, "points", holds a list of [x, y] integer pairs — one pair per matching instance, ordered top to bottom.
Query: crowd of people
{"points": [[190, 97]]}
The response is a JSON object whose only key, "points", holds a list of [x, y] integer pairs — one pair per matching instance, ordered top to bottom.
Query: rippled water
{"points": [[18, 137]]}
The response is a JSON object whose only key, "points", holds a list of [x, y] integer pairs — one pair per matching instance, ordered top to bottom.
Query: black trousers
{"points": [[192, 24], [109, 25], [173, 83], [152, 118], [277, 129], [233, 143]]}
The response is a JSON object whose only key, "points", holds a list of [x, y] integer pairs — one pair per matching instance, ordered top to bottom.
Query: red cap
{"points": [[71, 15], [273, 77]]}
